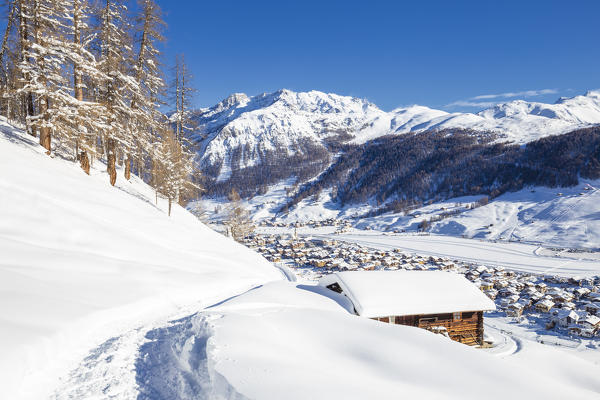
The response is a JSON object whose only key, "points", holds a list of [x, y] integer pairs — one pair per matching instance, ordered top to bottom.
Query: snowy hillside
{"points": [[521, 121], [283, 123], [243, 131], [552, 217], [81, 262], [103, 296], [293, 341]]}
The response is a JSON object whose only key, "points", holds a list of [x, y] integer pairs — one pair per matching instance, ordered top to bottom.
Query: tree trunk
{"points": [[9, 24], [78, 80], [28, 109], [45, 132], [46, 139], [111, 159], [85, 162], [128, 167], [170, 201]]}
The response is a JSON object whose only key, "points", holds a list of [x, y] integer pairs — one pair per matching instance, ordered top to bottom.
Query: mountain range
{"points": [[250, 143]]}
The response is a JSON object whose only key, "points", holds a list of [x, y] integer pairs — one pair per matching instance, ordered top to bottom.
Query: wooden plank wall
{"points": [[468, 329]]}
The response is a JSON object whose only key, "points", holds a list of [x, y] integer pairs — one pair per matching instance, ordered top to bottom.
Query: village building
{"points": [[433, 300], [544, 305], [593, 308], [514, 310], [565, 318], [591, 325]]}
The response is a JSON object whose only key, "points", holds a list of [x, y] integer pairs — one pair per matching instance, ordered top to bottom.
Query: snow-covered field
{"points": [[554, 217], [561, 218], [515, 256], [102, 296]]}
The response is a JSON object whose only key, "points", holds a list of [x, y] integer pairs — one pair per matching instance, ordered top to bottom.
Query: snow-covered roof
{"points": [[383, 293]]}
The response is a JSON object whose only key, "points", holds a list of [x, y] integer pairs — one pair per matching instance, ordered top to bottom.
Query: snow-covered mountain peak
{"points": [[593, 94], [234, 99], [319, 102], [244, 131]]}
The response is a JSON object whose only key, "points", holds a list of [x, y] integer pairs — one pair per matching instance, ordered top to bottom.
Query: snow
{"points": [[285, 120], [281, 121], [552, 217], [514, 256], [82, 261], [384, 293], [102, 295], [286, 340]]}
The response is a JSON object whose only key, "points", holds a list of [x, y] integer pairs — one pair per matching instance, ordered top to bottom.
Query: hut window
{"points": [[335, 287], [467, 315], [456, 316], [444, 317]]}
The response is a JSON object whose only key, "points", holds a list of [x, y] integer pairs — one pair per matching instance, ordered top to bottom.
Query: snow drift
{"points": [[292, 341]]}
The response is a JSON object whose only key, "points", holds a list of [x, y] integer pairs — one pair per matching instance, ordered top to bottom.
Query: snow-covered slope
{"points": [[521, 121], [283, 122], [244, 131], [552, 217], [81, 262], [100, 293], [290, 341]]}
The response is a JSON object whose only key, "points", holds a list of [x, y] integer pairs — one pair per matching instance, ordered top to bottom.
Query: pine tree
{"points": [[148, 32], [42, 66], [7, 80], [118, 88], [182, 93], [26, 94], [85, 110], [173, 168], [239, 223]]}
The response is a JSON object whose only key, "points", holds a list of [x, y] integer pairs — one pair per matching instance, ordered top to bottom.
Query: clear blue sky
{"points": [[392, 53]]}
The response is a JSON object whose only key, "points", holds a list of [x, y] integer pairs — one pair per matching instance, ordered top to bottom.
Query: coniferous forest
{"points": [[87, 79], [405, 171]]}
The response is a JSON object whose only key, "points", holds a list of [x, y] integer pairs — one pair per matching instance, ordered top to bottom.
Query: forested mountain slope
{"points": [[252, 142], [431, 166]]}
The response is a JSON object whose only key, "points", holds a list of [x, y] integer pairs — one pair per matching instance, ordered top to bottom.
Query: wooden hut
{"points": [[432, 300]]}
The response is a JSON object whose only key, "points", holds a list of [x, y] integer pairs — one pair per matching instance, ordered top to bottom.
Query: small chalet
{"points": [[433, 300]]}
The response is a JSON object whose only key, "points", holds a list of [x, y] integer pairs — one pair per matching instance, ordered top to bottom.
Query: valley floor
{"points": [[516, 256]]}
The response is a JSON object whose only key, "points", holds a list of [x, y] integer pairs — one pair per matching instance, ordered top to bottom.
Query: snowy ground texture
{"points": [[102, 296]]}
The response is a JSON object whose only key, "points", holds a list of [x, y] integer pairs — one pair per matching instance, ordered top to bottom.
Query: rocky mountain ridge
{"points": [[261, 140]]}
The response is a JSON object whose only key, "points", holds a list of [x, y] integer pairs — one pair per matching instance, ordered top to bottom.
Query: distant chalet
{"points": [[434, 300]]}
